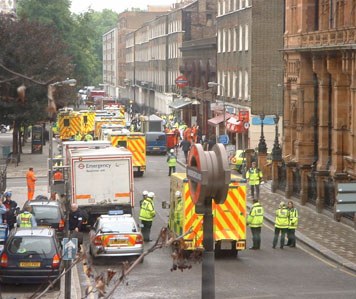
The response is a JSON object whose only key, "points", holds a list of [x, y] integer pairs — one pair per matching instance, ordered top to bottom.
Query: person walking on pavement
{"points": [[185, 145], [172, 162], [254, 176], [31, 183], [11, 209], [147, 214], [26, 219], [255, 221], [75, 223], [281, 224], [293, 224]]}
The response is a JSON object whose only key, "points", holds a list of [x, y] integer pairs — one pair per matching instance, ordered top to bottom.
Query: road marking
{"points": [[317, 257]]}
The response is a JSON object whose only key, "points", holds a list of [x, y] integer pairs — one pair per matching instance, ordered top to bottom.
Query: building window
{"points": [[247, 3], [235, 4], [242, 4], [223, 7], [219, 8], [246, 37], [240, 38], [235, 39], [229, 40], [219, 41], [224, 41], [219, 82], [234, 83], [228, 84], [240, 84], [246, 85]]}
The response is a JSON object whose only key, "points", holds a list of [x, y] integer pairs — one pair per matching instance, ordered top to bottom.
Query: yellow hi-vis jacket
{"points": [[172, 160], [254, 175], [147, 212], [255, 217], [282, 218], [293, 218], [25, 220]]}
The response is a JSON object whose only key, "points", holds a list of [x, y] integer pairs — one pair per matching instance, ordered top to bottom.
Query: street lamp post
{"points": [[213, 84], [262, 146], [276, 151]]}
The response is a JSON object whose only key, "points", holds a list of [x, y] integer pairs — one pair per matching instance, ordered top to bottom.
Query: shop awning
{"points": [[178, 104], [218, 119], [234, 125]]}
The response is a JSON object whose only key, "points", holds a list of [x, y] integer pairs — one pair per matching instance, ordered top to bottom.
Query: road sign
{"points": [[181, 81], [246, 125], [224, 139], [70, 247]]}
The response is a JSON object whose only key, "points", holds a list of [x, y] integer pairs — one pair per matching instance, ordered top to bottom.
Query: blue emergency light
{"points": [[116, 212]]}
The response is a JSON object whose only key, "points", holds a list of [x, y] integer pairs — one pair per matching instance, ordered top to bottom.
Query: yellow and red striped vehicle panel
{"points": [[99, 123], [75, 125], [89, 126], [136, 144], [229, 217]]}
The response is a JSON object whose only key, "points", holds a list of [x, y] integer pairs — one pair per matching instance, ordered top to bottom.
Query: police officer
{"points": [[78, 137], [88, 137], [172, 162], [254, 176], [144, 196], [11, 209], [147, 214], [26, 219], [255, 221], [281, 224], [293, 224]]}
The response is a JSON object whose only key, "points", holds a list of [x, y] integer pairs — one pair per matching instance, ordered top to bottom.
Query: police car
{"points": [[115, 234]]}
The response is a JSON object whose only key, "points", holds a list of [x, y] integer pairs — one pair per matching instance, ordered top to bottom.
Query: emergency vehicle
{"points": [[88, 121], [105, 121], [70, 123], [135, 142], [101, 180], [229, 217]]}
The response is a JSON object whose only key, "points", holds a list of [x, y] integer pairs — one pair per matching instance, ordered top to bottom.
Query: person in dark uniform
{"points": [[11, 210], [75, 223]]}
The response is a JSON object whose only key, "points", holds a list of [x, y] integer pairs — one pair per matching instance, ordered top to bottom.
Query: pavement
{"points": [[334, 240]]}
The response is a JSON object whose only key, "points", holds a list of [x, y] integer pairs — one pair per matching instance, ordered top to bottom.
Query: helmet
{"points": [[172, 150], [145, 193], [7, 194], [178, 194], [151, 195], [282, 204]]}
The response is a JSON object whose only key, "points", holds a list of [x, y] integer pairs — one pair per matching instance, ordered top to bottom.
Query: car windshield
{"points": [[156, 137], [46, 212], [118, 226], [30, 245]]}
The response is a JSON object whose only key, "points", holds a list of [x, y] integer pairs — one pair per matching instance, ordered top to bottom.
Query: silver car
{"points": [[115, 235]]}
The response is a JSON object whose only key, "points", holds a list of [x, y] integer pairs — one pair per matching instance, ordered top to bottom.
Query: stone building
{"points": [[128, 21], [110, 62], [250, 64], [319, 145]]}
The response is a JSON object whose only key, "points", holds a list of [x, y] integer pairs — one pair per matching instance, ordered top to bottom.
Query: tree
{"points": [[31, 56]]}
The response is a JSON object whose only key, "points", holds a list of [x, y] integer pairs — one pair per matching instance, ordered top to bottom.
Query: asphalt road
{"points": [[268, 273]]}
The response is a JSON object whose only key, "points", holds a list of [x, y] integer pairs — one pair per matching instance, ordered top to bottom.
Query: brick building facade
{"points": [[319, 145]]}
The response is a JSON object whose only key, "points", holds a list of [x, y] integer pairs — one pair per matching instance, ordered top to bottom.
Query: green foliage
{"points": [[82, 33]]}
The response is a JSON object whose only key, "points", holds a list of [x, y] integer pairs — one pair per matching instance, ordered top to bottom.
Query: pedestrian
{"points": [[194, 133], [78, 137], [88, 137], [211, 143], [185, 145], [172, 162], [254, 176], [57, 177], [31, 183], [144, 196], [2, 210], [11, 210], [147, 214], [26, 219], [255, 221], [75, 223], [281, 224], [293, 224]]}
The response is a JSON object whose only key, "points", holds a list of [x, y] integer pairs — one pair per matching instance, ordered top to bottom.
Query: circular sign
{"points": [[181, 81], [246, 125], [81, 166]]}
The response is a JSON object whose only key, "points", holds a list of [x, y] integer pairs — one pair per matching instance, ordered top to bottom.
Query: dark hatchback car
{"points": [[48, 213], [30, 256]]}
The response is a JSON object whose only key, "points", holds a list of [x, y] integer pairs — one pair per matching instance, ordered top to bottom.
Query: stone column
{"points": [[319, 67], [340, 111], [287, 140], [262, 162], [305, 170], [275, 178], [289, 178], [320, 192]]}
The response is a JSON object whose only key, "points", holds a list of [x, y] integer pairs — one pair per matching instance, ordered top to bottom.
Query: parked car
{"points": [[156, 142], [48, 213], [115, 234], [31, 255]]}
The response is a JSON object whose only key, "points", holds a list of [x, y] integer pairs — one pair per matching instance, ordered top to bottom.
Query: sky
{"points": [[115, 5]]}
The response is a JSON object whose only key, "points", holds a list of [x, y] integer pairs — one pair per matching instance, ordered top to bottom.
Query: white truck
{"points": [[73, 145], [102, 180]]}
